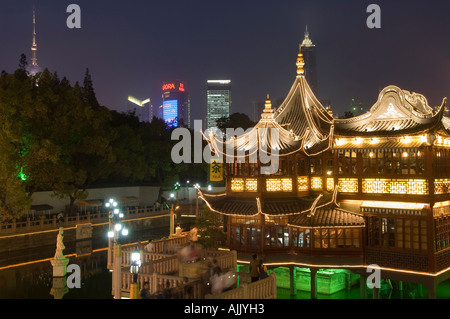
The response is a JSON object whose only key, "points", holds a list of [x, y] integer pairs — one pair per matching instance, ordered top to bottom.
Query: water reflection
{"points": [[28, 274], [34, 280]]}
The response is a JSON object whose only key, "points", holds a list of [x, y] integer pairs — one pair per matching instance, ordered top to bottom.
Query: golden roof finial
{"points": [[300, 62], [268, 104]]}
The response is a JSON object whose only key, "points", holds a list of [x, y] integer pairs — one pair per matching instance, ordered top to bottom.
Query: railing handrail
{"points": [[49, 223], [262, 289]]}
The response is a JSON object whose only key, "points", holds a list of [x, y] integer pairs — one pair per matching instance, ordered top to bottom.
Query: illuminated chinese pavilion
{"points": [[347, 193]]}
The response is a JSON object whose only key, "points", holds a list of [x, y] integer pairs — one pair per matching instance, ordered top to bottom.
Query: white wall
{"points": [[147, 196]]}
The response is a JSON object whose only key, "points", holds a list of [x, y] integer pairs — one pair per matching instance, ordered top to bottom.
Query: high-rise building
{"points": [[309, 55], [34, 68], [218, 100], [176, 107], [145, 110]]}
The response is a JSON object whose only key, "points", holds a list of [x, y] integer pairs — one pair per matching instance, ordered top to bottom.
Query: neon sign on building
{"points": [[173, 86]]}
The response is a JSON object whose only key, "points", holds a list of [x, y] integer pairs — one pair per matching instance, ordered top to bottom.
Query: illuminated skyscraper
{"points": [[309, 55], [218, 100], [176, 107]]}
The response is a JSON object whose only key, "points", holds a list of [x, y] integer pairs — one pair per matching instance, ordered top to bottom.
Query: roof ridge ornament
{"points": [[300, 62], [268, 113]]}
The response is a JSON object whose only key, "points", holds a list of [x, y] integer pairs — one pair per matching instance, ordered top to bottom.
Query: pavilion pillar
{"points": [[293, 280], [313, 283], [362, 286], [400, 288], [431, 291], [376, 293]]}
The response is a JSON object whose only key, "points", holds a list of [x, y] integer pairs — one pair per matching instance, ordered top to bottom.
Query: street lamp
{"points": [[188, 200], [172, 215], [115, 232], [134, 269]]}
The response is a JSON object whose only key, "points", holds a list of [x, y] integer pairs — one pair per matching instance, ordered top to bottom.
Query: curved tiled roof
{"points": [[396, 112], [300, 122], [232, 205], [302, 211], [324, 217]]}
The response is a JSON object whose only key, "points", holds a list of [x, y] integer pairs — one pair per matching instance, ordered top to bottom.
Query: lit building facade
{"points": [[218, 97], [176, 105], [348, 193]]}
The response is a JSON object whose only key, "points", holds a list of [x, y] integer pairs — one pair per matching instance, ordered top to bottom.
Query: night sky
{"points": [[132, 46]]}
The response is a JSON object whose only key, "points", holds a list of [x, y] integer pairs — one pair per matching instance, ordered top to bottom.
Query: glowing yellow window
{"points": [[302, 183], [316, 183], [286, 184], [330, 184], [237, 185], [251, 185], [273, 185], [348, 185]]}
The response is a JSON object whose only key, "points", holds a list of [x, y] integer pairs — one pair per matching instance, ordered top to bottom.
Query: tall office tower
{"points": [[309, 55], [34, 68], [218, 100], [176, 107], [258, 107]]}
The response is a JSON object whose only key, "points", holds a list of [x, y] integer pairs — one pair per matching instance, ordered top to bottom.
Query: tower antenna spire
{"points": [[34, 45]]}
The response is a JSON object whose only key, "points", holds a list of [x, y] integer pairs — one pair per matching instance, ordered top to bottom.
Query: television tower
{"points": [[34, 65]]}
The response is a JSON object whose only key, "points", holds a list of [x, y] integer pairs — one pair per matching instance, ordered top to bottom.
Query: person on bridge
{"points": [[254, 268], [145, 291]]}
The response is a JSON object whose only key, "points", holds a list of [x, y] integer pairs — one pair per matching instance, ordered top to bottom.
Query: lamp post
{"points": [[197, 187], [188, 201], [172, 214], [116, 230], [134, 269]]}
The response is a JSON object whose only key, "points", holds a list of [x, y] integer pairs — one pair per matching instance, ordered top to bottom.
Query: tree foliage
{"points": [[235, 120], [56, 136], [210, 230]]}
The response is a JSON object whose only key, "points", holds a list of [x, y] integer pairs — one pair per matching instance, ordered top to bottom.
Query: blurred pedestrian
{"points": [[254, 268], [262, 270], [145, 291]]}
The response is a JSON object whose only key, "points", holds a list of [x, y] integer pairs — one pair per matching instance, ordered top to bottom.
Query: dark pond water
{"points": [[28, 274]]}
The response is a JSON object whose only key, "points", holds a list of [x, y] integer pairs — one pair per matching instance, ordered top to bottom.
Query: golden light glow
{"points": [[300, 62], [424, 138], [406, 139], [358, 140], [374, 140], [340, 141], [302, 183], [316, 183], [286, 184], [330, 184], [237, 185], [251, 185], [273, 185], [279, 185], [348, 185], [395, 186], [441, 186], [393, 205]]}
